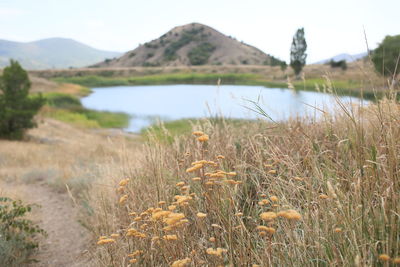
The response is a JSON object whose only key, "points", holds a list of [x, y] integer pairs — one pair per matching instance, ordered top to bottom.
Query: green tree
{"points": [[298, 51], [386, 56], [17, 108]]}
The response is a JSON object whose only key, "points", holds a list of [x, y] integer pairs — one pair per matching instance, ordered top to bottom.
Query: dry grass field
{"points": [[306, 192], [301, 193]]}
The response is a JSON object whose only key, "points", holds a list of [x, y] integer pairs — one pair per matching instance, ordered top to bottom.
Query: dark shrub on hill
{"points": [[200, 54]]}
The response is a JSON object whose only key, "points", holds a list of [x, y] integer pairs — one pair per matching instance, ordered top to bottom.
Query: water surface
{"points": [[146, 104]]}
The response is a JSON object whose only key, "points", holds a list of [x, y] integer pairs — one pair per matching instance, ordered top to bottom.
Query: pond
{"points": [[147, 104]]}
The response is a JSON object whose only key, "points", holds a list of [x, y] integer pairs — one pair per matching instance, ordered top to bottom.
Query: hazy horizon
{"points": [[123, 25]]}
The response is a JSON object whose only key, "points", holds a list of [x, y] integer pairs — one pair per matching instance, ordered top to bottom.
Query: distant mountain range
{"points": [[192, 44], [52, 53], [347, 57]]}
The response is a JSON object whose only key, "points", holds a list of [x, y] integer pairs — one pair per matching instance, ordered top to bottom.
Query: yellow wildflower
{"points": [[198, 133], [203, 138], [220, 157], [195, 168], [196, 179], [124, 182], [180, 184], [274, 198], [123, 199], [263, 202], [160, 214], [201, 215], [290, 215], [268, 216], [133, 232], [170, 237], [105, 241], [217, 252], [135, 253], [384, 257], [181, 263]]}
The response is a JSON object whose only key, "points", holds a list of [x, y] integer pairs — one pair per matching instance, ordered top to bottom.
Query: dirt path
{"points": [[67, 240]]}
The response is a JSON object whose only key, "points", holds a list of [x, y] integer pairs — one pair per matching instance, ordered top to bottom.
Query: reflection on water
{"points": [[146, 104]]}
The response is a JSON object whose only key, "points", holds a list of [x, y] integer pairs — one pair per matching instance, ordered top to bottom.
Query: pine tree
{"points": [[298, 51], [17, 108]]}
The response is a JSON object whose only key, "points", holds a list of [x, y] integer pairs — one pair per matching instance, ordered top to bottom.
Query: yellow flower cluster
{"points": [[135, 233], [104, 240], [216, 252], [181, 263]]}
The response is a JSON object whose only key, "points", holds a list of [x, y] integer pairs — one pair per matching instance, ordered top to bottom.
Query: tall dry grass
{"points": [[307, 192]]}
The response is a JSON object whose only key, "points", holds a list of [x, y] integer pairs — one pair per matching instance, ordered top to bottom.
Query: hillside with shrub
{"points": [[191, 45]]}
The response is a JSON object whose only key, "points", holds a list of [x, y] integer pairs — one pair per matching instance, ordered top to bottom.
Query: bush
{"points": [[187, 37], [200, 54], [385, 57], [338, 64], [17, 109], [16, 234]]}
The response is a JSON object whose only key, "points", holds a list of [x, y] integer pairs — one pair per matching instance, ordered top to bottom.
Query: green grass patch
{"points": [[93, 81], [68, 108], [74, 118], [167, 131]]}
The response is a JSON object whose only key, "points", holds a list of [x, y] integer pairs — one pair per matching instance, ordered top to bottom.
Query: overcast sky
{"points": [[331, 27]]}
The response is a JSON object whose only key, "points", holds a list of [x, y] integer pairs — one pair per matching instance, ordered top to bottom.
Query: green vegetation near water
{"points": [[341, 87], [69, 109], [168, 130]]}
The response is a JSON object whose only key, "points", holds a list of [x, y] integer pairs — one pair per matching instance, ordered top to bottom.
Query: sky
{"points": [[331, 27]]}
